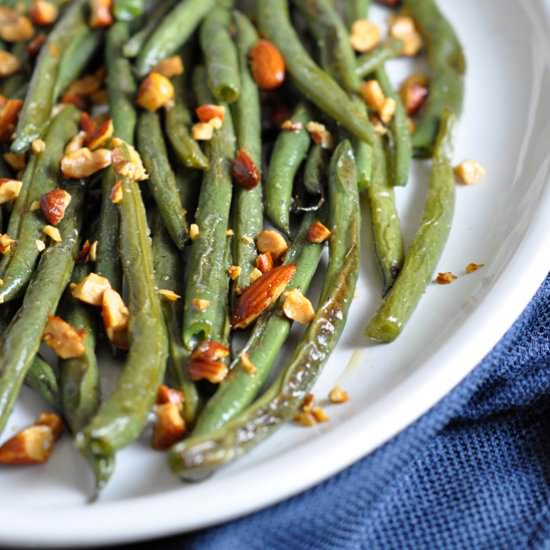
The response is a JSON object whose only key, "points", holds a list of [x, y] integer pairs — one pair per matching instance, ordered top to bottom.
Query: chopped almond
{"points": [[43, 13], [100, 13], [14, 27], [403, 28], [365, 35], [35, 44], [9, 64], [267, 65], [169, 67], [84, 87], [155, 91], [414, 92], [372, 94], [388, 109], [207, 112], [8, 118], [216, 123], [87, 124], [377, 125], [290, 126], [202, 131], [320, 135], [100, 136], [77, 142], [38, 146], [16, 161], [127, 162], [83, 163], [244, 170], [469, 172], [9, 189], [117, 193], [54, 204], [35, 205], [193, 231], [52, 232], [318, 233], [273, 242], [6, 243], [40, 245], [93, 251], [264, 262], [473, 267], [234, 272], [255, 274], [446, 278], [91, 289], [169, 295], [260, 295], [200, 304], [297, 307], [115, 318], [64, 339], [206, 362], [247, 364], [166, 394], [338, 395], [308, 403], [319, 414], [305, 419], [53, 421], [169, 426], [33, 445]]}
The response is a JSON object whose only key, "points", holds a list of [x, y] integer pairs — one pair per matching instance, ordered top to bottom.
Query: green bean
{"points": [[127, 10], [352, 10], [172, 33], [133, 47], [337, 55], [220, 56], [75, 59], [371, 61], [448, 65], [312, 81], [12, 86], [121, 88], [39, 101], [247, 116], [177, 120], [400, 149], [288, 154], [364, 157], [314, 174], [162, 181], [189, 183], [427, 246], [20, 267], [168, 275], [206, 275], [271, 331], [21, 341], [42, 379], [80, 391], [122, 417], [198, 456]]}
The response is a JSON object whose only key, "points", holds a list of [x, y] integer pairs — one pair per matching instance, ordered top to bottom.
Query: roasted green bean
{"points": [[369, 62]]}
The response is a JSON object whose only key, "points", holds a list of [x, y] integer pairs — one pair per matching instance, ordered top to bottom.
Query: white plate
{"points": [[503, 222]]}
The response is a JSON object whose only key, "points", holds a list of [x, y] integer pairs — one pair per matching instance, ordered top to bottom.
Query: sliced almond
{"points": [[404, 28], [155, 91], [372, 94], [388, 109], [290, 126], [320, 135], [100, 136], [77, 142], [38, 146], [469, 172], [9, 189], [117, 192], [193, 231], [52, 232], [473, 267], [234, 271], [445, 278], [91, 289], [169, 295], [200, 304], [64, 339], [338, 395], [53, 421]]}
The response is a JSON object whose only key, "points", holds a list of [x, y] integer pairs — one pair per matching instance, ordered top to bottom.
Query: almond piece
{"points": [[43, 13], [100, 13], [15, 27], [404, 28], [365, 35], [35, 44], [9, 64], [267, 65], [169, 67], [155, 91], [414, 92], [372, 94], [388, 109], [207, 112], [8, 118], [87, 124], [290, 126], [202, 131], [320, 135], [100, 136], [77, 142], [38, 146], [17, 161], [127, 162], [84, 163], [244, 170], [469, 172], [9, 189], [117, 193], [54, 204], [193, 231], [53, 233], [318, 233], [6, 242], [273, 242], [40, 245], [93, 252], [264, 262], [473, 267], [234, 272], [255, 274], [445, 278], [91, 289], [169, 295], [260, 295], [200, 304], [297, 307], [115, 316], [64, 339], [206, 362], [247, 364], [166, 394], [338, 395], [319, 414], [306, 419], [53, 421], [169, 426], [32, 445]]}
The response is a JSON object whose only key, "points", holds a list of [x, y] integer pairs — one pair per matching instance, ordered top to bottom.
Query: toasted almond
{"points": [[43, 13], [100, 13], [15, 27], [404, 28], [365, 35], [36, 44], [9, 64], [267, 65], [169, 67], [84, 87], [155, 91], [414, 93], [372, 94], [388, 109], [207, 112], [8, 118], [88, 125], [290, 126], [378, 126], [202, 131], [101, 135], [320, 135], [77, 142], [38, 146], [17, 161], [83, 162], [127, 162], [244, 170], [469, 172], [9, 189], [117, 193], [54, 204], [35, 205], [193, 231], [52, 232], [230, 233], [318, 233], [245, 239], [273, 242], [6, 243], [40, 245], [93, 251], [83, 254], [264, 262], [473, 267], [234, 272], [255, 274], [445, 278], [91, 289], [169, 295], [260, 295], [200, 304], [297, 307], [115, 316], [64, 339], [206, 362], [247, 364], [166, 394], [337, 395], [308, 403], [319, 414], [306, 419], [53, 421], [169, 426], [33, 445]]}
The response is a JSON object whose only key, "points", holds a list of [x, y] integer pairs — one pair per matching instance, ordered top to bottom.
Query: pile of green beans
{"points": [[188, 244]]}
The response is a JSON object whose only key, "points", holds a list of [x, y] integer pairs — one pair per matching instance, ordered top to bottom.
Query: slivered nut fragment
{"points": [[43, 13], [100, 13], [14, 27], [404, 28], [365, 35], [35, 44], [9, 64], [267, 65], [169, 67], [84, 87], [155, 91], [414, 92], [372, 94], [388, 109], [208, 112], [8, 118], [87, 123], [216, 123], [377, 125], [290, 126], [202, 131], [320, 135], [100, 136], [77, 142], [38, 146], [17, 161], [83, 162], [127, 162], [244, 170], [469, 172], [9, 189], [117, 193], [54, 204], [35, 205], [193, 231], [52, 232], [318, 233], [273, 242], [6, 243], [40, 245], [93, 251], [83, 254], [264, 262], [473, 267], [234, 272], [255, 274], [445, 278], [91, 289], [169, 295], [260, 295], [200, 304], [297, 307], [115, 318], [64, 339], [206, 362], [247, 364], [166, 394], [337, 395], [308, 403], [319, 414], [306, 419], [53, 421], [169, 426], [33, 445]]}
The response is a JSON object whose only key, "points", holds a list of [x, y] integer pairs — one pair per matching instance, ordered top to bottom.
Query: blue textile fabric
{"points": [[474, 472]]}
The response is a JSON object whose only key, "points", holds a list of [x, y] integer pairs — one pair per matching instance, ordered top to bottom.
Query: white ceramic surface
{"points": [[503, 223]]}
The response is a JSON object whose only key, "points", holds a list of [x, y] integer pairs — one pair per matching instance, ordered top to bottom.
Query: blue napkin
{"points": [[474, 472]]}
